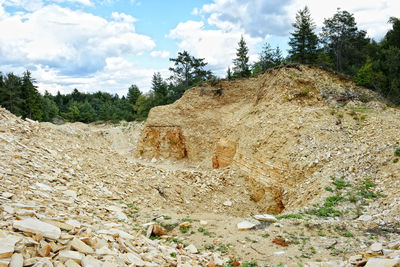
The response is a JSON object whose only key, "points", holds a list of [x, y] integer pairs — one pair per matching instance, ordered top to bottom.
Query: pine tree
{"points": [[304, 42], [345, 44], [241, 67], [229, 74], [160, 89], [32, 99]]}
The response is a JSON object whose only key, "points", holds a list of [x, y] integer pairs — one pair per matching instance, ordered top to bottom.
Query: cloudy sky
{"points": [[108, 45]]}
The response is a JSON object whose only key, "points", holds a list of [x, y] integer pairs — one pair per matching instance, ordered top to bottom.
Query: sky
{"points": [[108, 45]]}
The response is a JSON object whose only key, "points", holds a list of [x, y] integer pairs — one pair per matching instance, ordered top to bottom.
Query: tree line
{"points": [[340, 45]]}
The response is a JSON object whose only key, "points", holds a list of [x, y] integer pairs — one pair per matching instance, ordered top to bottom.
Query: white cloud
{"points": [[82, 2], [370, 15], [258, 18], [262, 18], [73, 41], [218, 47], [160, 54], [116, 77]]}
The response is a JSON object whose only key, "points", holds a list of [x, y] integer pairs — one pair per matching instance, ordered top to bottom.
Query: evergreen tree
{"points": [[392, 37], [304, 42], [345, 44], [269, 58], [241, 67], [188, 70], [229, 74], [160, 89], [10, 94], [133, 94], [32, 99]]}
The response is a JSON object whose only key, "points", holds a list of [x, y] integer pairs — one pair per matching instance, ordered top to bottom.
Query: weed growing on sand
{"points": [[304, 91], [397, 152]]}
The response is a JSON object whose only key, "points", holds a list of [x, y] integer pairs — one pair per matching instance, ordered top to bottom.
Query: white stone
{"points": [[44, 187], [70, 193], [7, 195], [228, 203], [121, 216], [266, 217], [365, 218], [203, 222], [74, 223], [245, 225], [35, 226], [122, 234], [78, 245], [6, 247], [375, 247], [191, 248], [105, 251], [279, 253], [70, 255], [134, 259], [17, 260], [89, 261], [374, 262], [71, 263]]}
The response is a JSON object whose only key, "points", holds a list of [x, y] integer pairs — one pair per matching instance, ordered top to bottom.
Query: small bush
{"points": [[397, 152]]}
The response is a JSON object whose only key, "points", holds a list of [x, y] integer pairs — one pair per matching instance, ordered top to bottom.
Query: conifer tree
{"points": [[304, 42], [241, 67]]}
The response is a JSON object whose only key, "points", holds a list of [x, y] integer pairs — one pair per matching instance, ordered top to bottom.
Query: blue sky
{"points": [[108, 45]]}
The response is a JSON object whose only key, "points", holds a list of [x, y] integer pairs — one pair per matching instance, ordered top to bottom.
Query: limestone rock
{"points": [[266, 218], [245, 225], [38, 227], [80, 246], [6, 247], [376, 247], [192, 249], [70, 255], [16, 260], [376, 262]]}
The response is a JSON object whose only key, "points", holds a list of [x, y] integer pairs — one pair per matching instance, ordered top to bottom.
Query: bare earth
{"points": [[299, 141]]}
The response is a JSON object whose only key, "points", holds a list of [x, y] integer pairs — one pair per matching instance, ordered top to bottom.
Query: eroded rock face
{"points": [[162, 142], [224, 152]]}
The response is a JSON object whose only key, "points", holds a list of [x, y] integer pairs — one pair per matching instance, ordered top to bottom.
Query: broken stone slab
{"points": [[7, 195], [228, 203], [266, 218], [74, 223], [61, 225], [245, 225], [36, 226], [78, 245], [7, 247], [376, 247], [192, 249], [105, 251], [66, 255], [134, 259], [17, 260], [89, 261], [375, 262], [71, 263]]}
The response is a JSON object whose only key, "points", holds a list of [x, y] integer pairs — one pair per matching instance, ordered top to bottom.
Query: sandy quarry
{"points": [[281, 143]]}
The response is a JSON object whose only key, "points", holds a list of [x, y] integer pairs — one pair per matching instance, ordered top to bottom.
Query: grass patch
{"points": [[397, 152]]}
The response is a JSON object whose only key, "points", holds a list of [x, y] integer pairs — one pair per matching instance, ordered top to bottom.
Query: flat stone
{"points": [[44, 187], [70, 193], [7, 195], [228, 203], [121, 216], [266, 218], [365, 218], [74, 223], [203, 223], [61, 225], [245, 225], [36, 226], [78, 245], [394, 245], [7, 247], [376, 247], [192, 249], [105, 251], [70, 255], [134, 259], [17, 260], [89, 261], [375, 262], [71, 263]]}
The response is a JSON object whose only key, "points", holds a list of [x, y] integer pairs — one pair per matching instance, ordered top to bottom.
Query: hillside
{"points": [[299, 142]]}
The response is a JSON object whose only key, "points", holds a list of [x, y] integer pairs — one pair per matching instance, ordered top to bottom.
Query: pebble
{"points": [[245, 225]]}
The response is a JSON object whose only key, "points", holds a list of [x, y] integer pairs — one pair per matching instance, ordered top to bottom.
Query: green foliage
{"points": [[304, 41], [343, 42], [269, 58], [241, 67], [397, 152], [340, 184]]}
